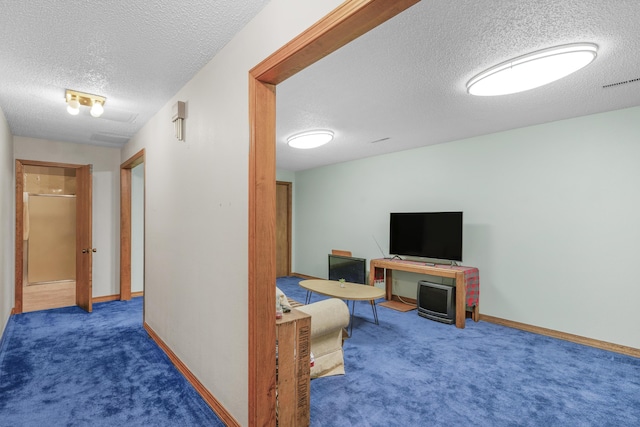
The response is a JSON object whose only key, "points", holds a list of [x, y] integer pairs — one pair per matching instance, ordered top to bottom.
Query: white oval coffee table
{"points": [[346, 291]]}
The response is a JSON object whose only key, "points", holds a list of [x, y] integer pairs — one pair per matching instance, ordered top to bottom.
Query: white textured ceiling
{"points": [[137, 54], [406, 80], [403, 81]]}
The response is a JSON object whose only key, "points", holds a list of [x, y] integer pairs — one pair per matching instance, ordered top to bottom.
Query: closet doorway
{"points": [[53, 236]]}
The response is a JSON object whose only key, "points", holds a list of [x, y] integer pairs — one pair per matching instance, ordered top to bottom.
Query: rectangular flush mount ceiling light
{"points": [[532, 70], [75, 99]]}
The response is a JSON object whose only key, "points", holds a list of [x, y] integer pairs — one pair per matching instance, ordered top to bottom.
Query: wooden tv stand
{"points": [[388, 265]]}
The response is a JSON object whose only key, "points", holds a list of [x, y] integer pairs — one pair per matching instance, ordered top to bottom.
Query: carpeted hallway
{"points": [[66, 367]]}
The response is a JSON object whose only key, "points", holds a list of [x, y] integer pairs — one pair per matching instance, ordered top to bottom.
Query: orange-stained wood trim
{"points": [[347, 22], [134, 160], [49, 164], [125, 222], [125, 234], [84, 240], [262, 257], [19, 261], [304, 276], [105, 298], [108, 298], [603, 345], [217, 407]]}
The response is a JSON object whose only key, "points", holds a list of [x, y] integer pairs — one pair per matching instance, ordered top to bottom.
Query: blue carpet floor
{"points": [[66, 367], [410, 371]]}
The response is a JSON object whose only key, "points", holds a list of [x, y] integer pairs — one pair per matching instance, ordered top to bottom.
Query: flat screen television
{"points": [[435, 235], [350, 269], [436, 301]]}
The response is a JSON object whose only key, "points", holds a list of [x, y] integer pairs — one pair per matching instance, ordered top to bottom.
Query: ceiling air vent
{"points": [[621, 83], [110, 138], [380, 140]]}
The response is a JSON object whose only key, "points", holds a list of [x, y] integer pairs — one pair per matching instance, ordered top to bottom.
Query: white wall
{"points": [[106, 200], [550, 218], [7, 224], [137, 228], [196, 270]]}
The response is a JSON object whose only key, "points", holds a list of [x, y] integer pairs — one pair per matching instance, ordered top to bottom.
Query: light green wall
{"points": [[283, 175], [550, 218], [7, 226]]}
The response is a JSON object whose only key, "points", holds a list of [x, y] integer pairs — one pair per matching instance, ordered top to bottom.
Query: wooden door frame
{"points": [[344, 24], [289, 186], [125, 222], [84, 238], [19, 243]]}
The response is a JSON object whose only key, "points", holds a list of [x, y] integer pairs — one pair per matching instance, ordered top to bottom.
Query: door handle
{"points": [[86, 251]]}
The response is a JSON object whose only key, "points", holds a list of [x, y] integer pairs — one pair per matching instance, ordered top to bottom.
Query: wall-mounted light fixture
{"points": [[532, 70], [75, 99], [178, 119], [310, 139]]}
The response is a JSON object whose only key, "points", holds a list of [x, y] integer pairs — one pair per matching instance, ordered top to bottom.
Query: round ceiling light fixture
{"points": [[532, 70], [310, 139]]}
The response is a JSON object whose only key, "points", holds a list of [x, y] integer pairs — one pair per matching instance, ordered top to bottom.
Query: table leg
{"points": [[388, 284], [307, 300], [461, 300], [353, 310], [375, 311], [476, 313]]}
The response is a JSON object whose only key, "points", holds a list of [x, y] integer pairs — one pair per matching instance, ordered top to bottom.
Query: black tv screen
{"points": [[435, 235], [350, 269]]}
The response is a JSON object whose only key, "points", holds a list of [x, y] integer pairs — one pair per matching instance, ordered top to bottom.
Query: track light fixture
{"points": [[75, 99]]}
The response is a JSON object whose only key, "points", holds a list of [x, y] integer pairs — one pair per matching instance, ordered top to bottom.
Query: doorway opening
{"points": [[349, 21], [132, 190], [283, 228], [53, 236]]}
